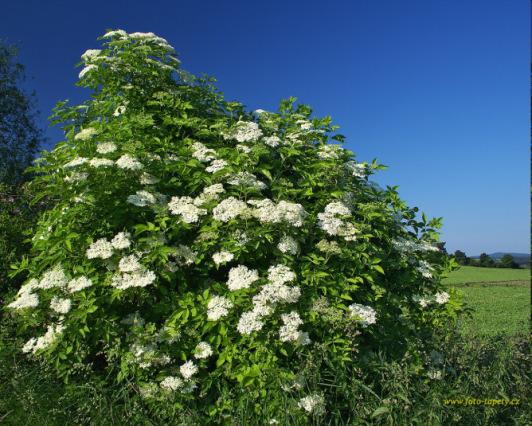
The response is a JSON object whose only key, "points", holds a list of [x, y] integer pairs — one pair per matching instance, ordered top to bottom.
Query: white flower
{"points": [[115, 33], [90, 54], [86, 70], [119, 110], [245, 131], [85, 134], [272, 141], [106, 148], [244, 148], [330, 152], [201, 153], [78, 161], [101, 162], [129, 163], [216, 166], [359, 170], [76, 177], [147, 179], [246, 179], [209, 193], [142, 199], [184, 207], [229, 209], [266, 211], [333, 225], [121, 240], [288, 245], [330, 247], [101, 248], [222, 257], [129, 264], [425, 269], [280, 274], [54, 277], [241, 277], [141, 278], [78, 284], [270, 294], [442, 297], [25, 300], [60, 305], [218, 307], [365, 315], [249, 322], [289, 331], [43, 342], [28, 346], [203, 350], [188, 369], [171, 383], [312, 403]]}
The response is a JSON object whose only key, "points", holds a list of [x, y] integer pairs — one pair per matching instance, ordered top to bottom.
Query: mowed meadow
{"points": [[499, 299]]}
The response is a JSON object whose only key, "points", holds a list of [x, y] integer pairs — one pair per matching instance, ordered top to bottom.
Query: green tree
{"points": [[19, 135], [461, 257], [486, 261], [507, 261]]}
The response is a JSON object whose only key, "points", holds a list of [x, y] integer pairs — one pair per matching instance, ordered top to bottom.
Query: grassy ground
{"points": [[472, 274], [500, 299]]}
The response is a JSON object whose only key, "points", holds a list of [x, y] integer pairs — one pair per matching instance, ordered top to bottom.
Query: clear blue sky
{"points": [[438, 90]]}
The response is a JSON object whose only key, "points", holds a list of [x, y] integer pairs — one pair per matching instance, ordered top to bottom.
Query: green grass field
{"points": [[472, 274], [500, 299]]}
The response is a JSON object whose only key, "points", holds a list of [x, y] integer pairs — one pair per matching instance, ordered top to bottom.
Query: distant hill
{"points": [[519, 258]]}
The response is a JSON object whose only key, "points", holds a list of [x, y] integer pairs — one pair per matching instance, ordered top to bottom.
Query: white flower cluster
{"points": [[90, 55], [86, 69], [119, 110], [304, 124], [245, 131], [85, 134], [272, 141], [105, 148], [244, 148], [330, 152], [201, 153], [78, 161], [101, 162], [128, 162], [216, 166], [359, 170], [147, 179], [246, 179], [209, 193], [142, 199], [184, 207], [228, 209], [266, 211], [333, 225], [121, 240], [288, 245], [406, 246], [329, 247], [100, 249], [103, 249], [221, 257], [129, 263], [424, 269], [241, 277], [53, 278], [139, 278], [78, 284], [25, 296], [440, 298], [265, 301], [60, 305], [218, 307], [365, 315], [289, 332], [35, 344], [203, 350], [187, 371], [171, 383], [312, 403]]}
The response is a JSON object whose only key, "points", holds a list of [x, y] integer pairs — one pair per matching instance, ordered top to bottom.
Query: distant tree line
{"points": [[485, 261]]}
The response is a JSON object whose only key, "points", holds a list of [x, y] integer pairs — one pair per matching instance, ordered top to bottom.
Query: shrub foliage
{"points": [[197, 247]]}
